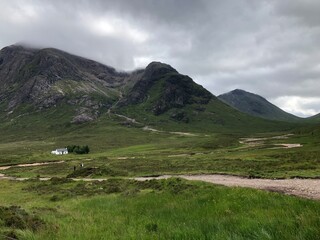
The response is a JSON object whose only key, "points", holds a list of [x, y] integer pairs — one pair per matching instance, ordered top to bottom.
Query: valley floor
{"points": [[138, 184]]}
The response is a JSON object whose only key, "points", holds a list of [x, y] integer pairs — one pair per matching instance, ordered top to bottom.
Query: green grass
{"points": [[134, 152], [166, 209]]}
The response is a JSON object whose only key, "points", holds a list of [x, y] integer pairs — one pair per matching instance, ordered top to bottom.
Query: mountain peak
{"points": [[19, 47], [156, 64], [156, 69], [162, 88], [238, 91], [243, 93], [255, 105]]}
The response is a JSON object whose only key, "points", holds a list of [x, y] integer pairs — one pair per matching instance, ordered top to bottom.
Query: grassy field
{"points": [[133, 152], [121, 208], [164, 209]]}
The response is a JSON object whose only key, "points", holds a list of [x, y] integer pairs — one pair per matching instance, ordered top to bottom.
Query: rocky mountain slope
{"points": [[44, 78], [53, 88], [169, 90], [255, 105]]}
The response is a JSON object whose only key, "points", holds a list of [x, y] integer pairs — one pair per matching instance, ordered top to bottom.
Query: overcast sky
{"points": [[266, 47]]}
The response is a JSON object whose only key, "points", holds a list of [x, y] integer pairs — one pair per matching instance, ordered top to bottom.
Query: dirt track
{"points": [[308, 188]]}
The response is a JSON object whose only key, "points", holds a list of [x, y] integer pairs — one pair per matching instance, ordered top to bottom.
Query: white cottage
{"points": [[60, 151]]}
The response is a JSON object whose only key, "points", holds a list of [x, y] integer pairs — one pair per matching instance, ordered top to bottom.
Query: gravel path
{"points": [[30, 165], [307, 188]]}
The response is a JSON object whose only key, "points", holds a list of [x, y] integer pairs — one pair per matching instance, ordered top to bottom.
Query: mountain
{"points": [[43, 78], [163, 88], [53, 89], [255, 105], [314, 119]]}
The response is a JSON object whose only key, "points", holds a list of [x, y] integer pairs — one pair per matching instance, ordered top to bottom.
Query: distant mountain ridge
{"points": [[255, 105]]}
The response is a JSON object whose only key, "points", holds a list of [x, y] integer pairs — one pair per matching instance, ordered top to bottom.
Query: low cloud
{"points": [[265, 47]]}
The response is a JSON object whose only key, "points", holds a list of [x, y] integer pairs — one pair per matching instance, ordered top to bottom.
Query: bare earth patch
{"points": [[255, 142], [288, 145], [30, 165], [309, 188]]}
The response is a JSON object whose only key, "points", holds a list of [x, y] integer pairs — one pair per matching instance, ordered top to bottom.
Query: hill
{"points": [[48, 90], [255, 105], [315, 118]]}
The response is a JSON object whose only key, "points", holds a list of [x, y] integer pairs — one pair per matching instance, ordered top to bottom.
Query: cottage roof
{"points": [[61, 149]]}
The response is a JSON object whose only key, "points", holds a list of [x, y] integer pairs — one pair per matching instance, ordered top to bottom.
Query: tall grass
{"points": [[201, 211]]}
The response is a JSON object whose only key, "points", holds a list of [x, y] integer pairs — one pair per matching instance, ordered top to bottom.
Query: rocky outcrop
{"points": [[153, 72], [174, 90], [178, 91]]}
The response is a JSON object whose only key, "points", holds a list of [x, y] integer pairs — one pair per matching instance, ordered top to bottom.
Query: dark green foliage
{"points": [[71, 148], [78, 149], [96, 172], [57, 180], [69, 188], [55, 198], [17, 218], [151, 227], [9, 235]]}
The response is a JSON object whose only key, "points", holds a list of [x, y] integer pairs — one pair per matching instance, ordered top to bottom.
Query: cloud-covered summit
{"points": [[266, 47]]}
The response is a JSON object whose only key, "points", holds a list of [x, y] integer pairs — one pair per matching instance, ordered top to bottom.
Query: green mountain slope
{"points": [[52, 92], [167, 99], [255, 105], [314, 119]]}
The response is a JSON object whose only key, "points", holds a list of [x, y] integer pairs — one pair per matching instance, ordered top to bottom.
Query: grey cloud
{"points": [[305, 12], [267, 47]]}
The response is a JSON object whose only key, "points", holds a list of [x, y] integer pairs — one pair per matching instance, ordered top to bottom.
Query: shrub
{"points": [[78, 149], [17, 218], [151, 227]]}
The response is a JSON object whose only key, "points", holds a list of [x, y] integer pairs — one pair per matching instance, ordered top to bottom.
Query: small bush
{"points": [[96, 171], [57, 180], [177, 185], [54, 198], [17, 218], [151, 227], [9, 235]]}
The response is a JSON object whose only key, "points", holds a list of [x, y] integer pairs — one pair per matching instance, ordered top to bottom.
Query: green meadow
{"points": [[121, 208], [164, 209]]}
